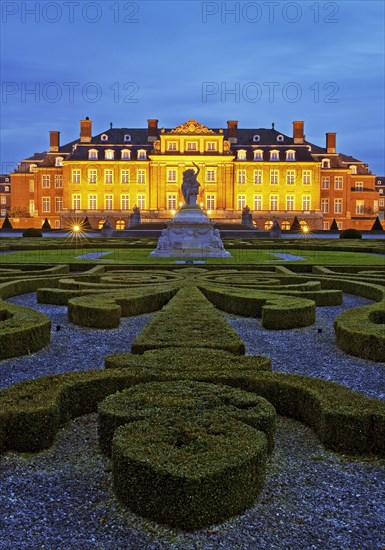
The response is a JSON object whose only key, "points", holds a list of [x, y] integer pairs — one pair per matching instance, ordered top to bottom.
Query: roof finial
{"points": [[110, 125], [272, 125]]}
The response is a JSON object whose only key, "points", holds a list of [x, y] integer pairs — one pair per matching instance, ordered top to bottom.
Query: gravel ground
{"points": [[313, 499]]}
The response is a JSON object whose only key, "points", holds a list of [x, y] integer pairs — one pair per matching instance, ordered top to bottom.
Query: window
{"points": [[104, 137], [127, 137], [280, 137], [256, 138], [172, 146], [192, 146], [211, 146], [92, 154], [109, 154], [125, 154], [142, 154], [241, 154], [258, 154], [274, 155], [290, 155], [58, 161], [325, 163], [32, 167], [353, 169], [171, 175], [210, 175], [274, 175], [75, 176], [92, 176], [108, 176], [125, 176], [258, 176], [241, 177], [290, 177], [306, 177], [141, 178], [58, 181], [325, 181], [46, 182], [338, 182], [31, 186], [358, 186], [6, 188], [381, 191], [3, 199], [306, 200], [76, 202], [92, 202], [108, 202], [125, 202], [141, 202], [171, 202], [210, 202], [241, 202], [257, 202], [273, 202], [289, 202], [382, 202], [46, 204], [58, 204], [325, 206], [337, 206], [375, 206], [31, 207], [360, 207], [3, 212], [303, 224], [120, 225], [268, 225], [286, 225], [325, 226]]}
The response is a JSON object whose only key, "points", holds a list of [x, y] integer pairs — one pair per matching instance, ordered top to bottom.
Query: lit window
{"points": [[104, 137], [127, 137], [280, 137], [171, 146], [192, 146], [211, 146], [92, 154], [109, 154], [126, 154], [142, 154], [241, 154], [258, 154], [274, 155], [290, 155], [59, 161], [325, 163], [32, 167], [353, 169], [171, 175], [210, 175], [274, 175], [92, 176], [108, 176], [125, 176], [241, 176], [258, 176], [290, 177], [306, 177], [141, 178], [58, 181], [325, 181], [46, 182], [338, 182], [31, 186], [358, 186], [3, 199], [306, 201], [76, 202], [92, 202], [108, 202], [125, 202], [141, 202], [171, 202], [210, 202], [241, 202], [257, 202], [273, 202], [289, 202], [46, 204], [58, 204], [325, 206], [337, 206], [375, 206], [31, 207], [360, 207], [303, 224], [120, 225], [268, 225], [285, 225]]}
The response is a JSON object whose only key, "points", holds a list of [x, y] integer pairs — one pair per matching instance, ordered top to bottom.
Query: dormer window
{"points": [[104, 137], [127, 137], [280, 137], [256, 138], [172, 146], [192, 146], [211, 146], [92, 154], [109, 154], [126, 154], [142, 154], [258, 154], [241, 155], [274, 155], [290, 155], [59, 161], [325, 163], [32, 167], [353, 169], [6, 188]]}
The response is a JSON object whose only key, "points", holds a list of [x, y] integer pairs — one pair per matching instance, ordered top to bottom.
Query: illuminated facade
{"points": [[272, 173]]}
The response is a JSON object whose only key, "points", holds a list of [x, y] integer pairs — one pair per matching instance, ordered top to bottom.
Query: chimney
{"points": [[85, 130], [232, 131], [152, 133], [298, 135], [54, 140], [331, 140]]}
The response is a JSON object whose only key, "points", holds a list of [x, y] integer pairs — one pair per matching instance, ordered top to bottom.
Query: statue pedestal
{"points": [[190, 234]]}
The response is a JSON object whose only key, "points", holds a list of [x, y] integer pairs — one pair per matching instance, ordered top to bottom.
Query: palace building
{"points": [[271, 173]]}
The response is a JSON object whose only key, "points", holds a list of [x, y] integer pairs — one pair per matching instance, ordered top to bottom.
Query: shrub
{"points": [[6, 223], [46, 225], [377, 225], [295, 226], [334, 226], [32, 232], [350, 234]]}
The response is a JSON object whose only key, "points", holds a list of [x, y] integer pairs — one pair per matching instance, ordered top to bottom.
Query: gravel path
{"points": [[313, 499]]}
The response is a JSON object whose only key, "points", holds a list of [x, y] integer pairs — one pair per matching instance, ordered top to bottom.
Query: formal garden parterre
{"points": [[185, 349]]}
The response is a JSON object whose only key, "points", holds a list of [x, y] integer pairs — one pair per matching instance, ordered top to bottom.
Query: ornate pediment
{"points": [[192, 127]]}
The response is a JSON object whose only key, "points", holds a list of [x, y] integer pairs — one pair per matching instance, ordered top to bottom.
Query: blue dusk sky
{"points": [[255, 62]]}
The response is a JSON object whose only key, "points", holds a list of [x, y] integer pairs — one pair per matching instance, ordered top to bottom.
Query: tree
{"points": [[6, 223], [46, 225], [86, 226], [295, 226], [334, 226], [377, 226]]}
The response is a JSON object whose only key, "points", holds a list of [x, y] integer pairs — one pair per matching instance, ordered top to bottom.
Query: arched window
{"points": [[92, 154], [109, 154], [126, 154], [142, 154], [241, 154], [258, 154], [290, 154], [274, 155], [58, 161], [325, 163], [32, 167], [353, 169], [100, 224], [120, 225], [268, 225], [285, 225], [304, 225]]}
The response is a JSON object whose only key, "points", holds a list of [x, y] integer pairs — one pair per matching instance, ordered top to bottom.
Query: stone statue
{"points": [[190, 186], [135, 218], [247, 218], [106, 228], [164, 241]]}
